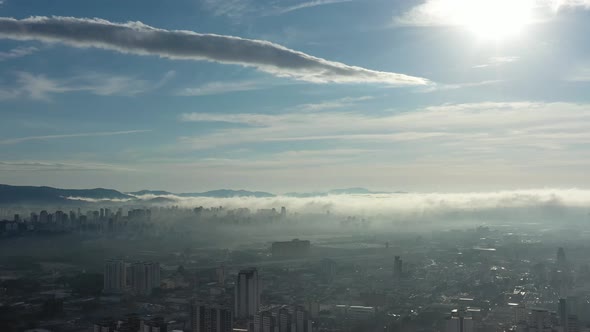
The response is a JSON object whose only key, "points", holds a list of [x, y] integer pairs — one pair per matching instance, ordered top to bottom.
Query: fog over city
{"points": [[295, 166]]}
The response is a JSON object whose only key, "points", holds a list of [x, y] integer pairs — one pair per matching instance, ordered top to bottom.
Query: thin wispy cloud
{"points": [[309, 4], [230, 8], [239, 9], [140, 39], [17, 52], [498, 61], [579, 73], [456, 86], [41, 87], [215, 88], [331, 104], [494, 125], [62, 136], [51, 166]]}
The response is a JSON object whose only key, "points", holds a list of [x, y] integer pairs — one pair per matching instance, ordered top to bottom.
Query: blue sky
{"points": [[392, 95]]}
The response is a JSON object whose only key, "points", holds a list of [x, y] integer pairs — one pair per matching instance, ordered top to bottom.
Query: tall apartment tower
{"points": [[561, 259], [397, 267], [115, 276], [145, 276], [247, 294], [207, 318], [458, 322]]}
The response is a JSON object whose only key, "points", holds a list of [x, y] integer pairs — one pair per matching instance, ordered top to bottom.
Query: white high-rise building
{"points": [[115, 276], [247, 294]]}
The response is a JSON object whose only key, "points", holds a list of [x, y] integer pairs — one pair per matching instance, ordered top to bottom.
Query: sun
{"points": [[492, 19]]}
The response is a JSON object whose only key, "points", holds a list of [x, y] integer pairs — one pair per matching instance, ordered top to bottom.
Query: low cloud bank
{"points": [[485, 204]]}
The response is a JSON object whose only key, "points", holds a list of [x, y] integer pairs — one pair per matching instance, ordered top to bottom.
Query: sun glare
{"points": [[493, 19]]}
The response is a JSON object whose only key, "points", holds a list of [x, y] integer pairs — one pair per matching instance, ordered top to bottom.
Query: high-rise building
{"points": [[43, 216], [561, 260], [397, 267], [220, 274], [145, 276], [115, 277], [247, 293], [520, 314], [563, 314], [208, 318], [284, 320], [301, 321], [540, 321], [265, 322], [458, 322], [156, 324], [572, 324], [104, 326]]}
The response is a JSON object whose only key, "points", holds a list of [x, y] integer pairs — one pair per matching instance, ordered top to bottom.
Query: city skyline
{"points": [[432, 96]]}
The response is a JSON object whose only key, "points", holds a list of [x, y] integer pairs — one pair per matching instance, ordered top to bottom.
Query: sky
{"points": [[295, 95]]}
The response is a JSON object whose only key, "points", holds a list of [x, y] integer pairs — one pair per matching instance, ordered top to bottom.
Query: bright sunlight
{"points": [[491, 19], [494, 19]]}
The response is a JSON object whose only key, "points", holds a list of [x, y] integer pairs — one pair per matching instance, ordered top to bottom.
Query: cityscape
{"points": [[295, 166], [352, 274]]}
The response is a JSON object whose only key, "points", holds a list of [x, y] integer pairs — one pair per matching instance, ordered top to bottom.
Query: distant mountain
{"points": [[352, 191], [150, 192], [226, 193], [29, 194], [49, 195], [161, 200]]}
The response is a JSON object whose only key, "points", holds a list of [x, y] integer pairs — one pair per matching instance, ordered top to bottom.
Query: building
{"points": [[294, 248], [561, 260], [397, 267], [115, 276], [145, 276], [247, 294], [563, 313], [208, 318], [282, 319], [301, 320], [540, 321], [265, 322], [459, 322], [156, 324], [105, 325]]}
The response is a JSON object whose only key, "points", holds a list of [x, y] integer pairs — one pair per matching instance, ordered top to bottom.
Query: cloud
{"points": [[309, 4], [230, 8], [238, 9], [138, 38], [17, 52], [498, 61], [580, 73], [456, 86], [40, 87], [215, 88], [330, 104], [494, 125], [76, 135], [37, 166], [476, 207]]}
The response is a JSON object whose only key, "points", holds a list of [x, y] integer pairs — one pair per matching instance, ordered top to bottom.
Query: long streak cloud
{"points": [[138, 38]]}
